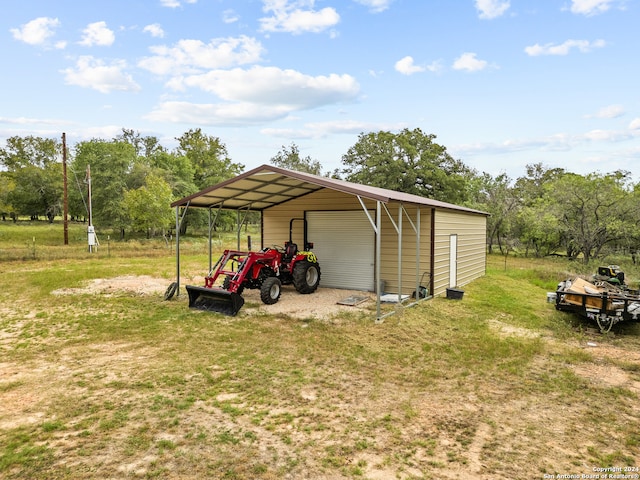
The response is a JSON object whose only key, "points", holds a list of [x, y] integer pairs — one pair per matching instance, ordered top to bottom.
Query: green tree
{"points": [[144, 146], [29, 151], [208, 157], [289, 157], [153, 158], [409, 161], [210, 163], [110, 164], [177, 171], [35, 173], [7, 185], [532, 186], [495, 196], [148, 207], [593, 211], [535, 224], [538, 228], [631, 241]]}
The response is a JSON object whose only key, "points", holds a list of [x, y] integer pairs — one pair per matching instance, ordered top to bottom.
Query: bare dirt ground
{"points": [[137, 284], [323, 304]]}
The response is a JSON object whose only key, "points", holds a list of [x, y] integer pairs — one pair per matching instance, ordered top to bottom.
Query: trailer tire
{"points": [[306, 276], [270, 290]]}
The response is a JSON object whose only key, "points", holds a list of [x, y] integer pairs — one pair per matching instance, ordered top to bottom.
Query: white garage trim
{"points": [[345, 245], [453, 260]]}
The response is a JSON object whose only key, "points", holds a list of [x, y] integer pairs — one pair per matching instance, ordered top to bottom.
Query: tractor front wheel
{"points": [[306, 276], [270, 290]]}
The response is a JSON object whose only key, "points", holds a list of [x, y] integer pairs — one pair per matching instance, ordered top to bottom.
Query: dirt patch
{"points": [[138, 284], [322, 304], [507, 330], [602, 350], [104, 363], [608, 369], [607, 375]]}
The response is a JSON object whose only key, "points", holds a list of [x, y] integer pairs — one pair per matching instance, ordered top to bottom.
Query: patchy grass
{"points": [[42, 241], [498, 385]]}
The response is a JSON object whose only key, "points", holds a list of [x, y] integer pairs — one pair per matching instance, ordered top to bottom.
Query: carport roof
{"points": [[267, 186]]}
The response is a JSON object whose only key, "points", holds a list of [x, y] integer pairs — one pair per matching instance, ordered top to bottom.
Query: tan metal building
{"points": [[363, 236]]}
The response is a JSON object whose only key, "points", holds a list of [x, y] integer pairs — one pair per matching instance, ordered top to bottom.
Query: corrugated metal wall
{"points": [[276, 219], [470, 228], [471, 231], [389, 254]]}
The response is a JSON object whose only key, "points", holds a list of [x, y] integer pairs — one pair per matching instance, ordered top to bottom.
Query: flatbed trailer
{"points": [[598, 303]]}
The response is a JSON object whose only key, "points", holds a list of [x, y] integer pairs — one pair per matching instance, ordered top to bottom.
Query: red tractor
{"points": [[267, 270]]}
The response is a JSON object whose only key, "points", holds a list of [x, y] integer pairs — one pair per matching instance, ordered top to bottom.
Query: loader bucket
{"points": [[214, 300]]}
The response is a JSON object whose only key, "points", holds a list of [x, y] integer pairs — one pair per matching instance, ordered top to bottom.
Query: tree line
{"points": [[134, 179]]}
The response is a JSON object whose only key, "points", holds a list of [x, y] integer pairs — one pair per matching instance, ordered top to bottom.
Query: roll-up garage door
{"points": [[344, 243]]}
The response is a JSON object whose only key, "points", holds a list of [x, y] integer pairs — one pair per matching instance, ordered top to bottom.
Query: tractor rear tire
{"points": [[306, 276], [270, 290]]}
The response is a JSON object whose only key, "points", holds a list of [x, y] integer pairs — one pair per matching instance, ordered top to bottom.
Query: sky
{"points": [[502, 84]]}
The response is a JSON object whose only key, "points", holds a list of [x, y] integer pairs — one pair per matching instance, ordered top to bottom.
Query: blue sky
{"points": [[501, 83]]}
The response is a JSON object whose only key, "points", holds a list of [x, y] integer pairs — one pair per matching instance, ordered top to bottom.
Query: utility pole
{"points": [[64, 178], [89, 193], [91, 233]]}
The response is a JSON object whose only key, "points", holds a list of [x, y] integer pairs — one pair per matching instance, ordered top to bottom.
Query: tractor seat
{"points": [[290, 251]]}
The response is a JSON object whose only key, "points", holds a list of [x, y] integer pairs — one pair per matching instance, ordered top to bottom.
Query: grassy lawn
{"points": [[123, 385]]}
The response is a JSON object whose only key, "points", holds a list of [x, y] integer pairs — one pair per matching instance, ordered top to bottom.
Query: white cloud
{"points": [[175, 3], [376, 6], [590, 7], [489, 9], [230, 16], [297, 16], [154, 29], [38, 31], [97, 34], [564, 48], [192, 56], [468, 61], [435, 66], [407, 67], [94, 73], [273, 86], [254, 96], [610, 111], [216, 114], [31, 121], [324, 129], [105, 131], [601, 135], [610, 136], [559, 142]]}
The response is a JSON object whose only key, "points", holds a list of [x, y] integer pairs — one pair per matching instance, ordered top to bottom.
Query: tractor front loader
{"points": [[266, 270]]}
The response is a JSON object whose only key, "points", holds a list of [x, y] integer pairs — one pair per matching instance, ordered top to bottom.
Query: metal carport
{"points": [[268, 186]]}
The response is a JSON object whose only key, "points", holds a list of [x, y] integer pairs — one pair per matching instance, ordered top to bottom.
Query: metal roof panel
{"points": [[267, 185]]}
